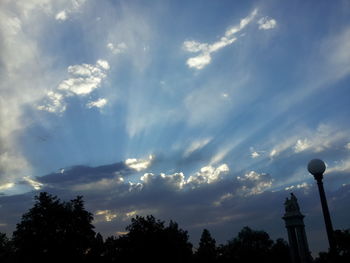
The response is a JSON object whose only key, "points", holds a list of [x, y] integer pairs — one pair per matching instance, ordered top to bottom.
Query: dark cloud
{"points": [[85, 174]]}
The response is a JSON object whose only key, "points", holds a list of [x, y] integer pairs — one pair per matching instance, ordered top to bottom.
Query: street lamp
{"points": [[317, 167]]}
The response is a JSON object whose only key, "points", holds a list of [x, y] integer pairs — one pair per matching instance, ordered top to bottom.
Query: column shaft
{"points": [[293, 245]]}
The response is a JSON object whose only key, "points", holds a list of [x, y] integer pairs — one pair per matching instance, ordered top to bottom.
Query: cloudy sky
{"points": [[204, 112]]}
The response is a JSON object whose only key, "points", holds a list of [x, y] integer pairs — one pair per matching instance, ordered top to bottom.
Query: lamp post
{"points": [[317, 167]]}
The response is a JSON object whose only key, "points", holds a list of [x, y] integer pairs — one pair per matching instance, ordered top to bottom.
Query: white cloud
{"points": [[72, 6], [61, 15], [243, 23], [265, 23], [194, 46], [118, 48], [205, 49], [199, 61], [103, 64], [84, 78], [21, 83], [80, 86], [54, 103], [98, 103], [324, 137], [196, 145], [301, 145], [347, 146], [281, 147], [273, 153], [255, 154], [12, 163], [139, 164], [342, 166], [208, 174], [251, 176], [147, 177], [173, 181], [254, 183], [35, 184], [6, 186], [298, 186], [223, 198], [131, 213], [107, 215], [126, 215], [122, 233]]}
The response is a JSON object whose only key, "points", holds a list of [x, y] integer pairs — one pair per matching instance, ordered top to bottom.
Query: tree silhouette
{"points": [[53, 231], [57, 231], [342, 239], [149, 240], [249, 246], [6, 248], [97, 248], [110, 250], [207, 251], [280, 252]]}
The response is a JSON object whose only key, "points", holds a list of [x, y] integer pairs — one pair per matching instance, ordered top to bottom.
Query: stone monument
{"points": [[299, 248]]}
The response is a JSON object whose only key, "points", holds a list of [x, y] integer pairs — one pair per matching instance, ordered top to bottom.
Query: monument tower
{"points": [[299, 248]]}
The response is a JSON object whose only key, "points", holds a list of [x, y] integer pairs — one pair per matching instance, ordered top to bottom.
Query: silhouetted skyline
{"points": [[55, 230]]}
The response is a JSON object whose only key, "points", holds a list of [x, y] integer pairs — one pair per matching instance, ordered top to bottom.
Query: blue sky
{"points": [[205, 112]]}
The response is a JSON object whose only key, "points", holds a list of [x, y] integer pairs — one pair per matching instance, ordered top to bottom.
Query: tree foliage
{"points": [[55, 231], [342, 238], [148, 239], [253, 246], [6, 248], [207, 250], [280, 252], [342, 255]]}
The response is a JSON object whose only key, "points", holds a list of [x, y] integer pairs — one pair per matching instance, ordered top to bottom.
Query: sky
{"points": [[203, 112]]}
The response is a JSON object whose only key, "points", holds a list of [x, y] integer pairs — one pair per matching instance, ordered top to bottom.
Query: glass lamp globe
{"points": [[316, 166]]}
